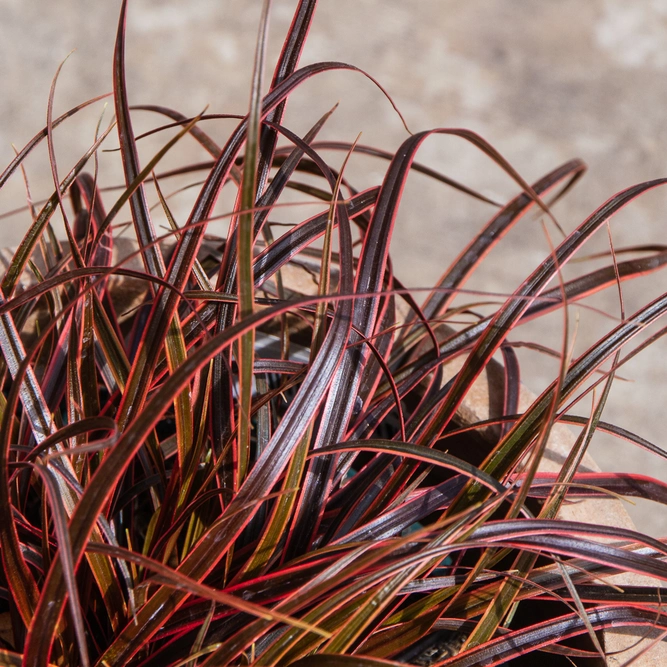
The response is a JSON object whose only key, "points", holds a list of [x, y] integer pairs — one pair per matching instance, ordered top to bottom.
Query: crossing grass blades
{"points": [[235, 469]]}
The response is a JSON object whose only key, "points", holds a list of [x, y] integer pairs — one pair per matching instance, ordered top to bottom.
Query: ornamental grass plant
{"points": [[251, 450]]}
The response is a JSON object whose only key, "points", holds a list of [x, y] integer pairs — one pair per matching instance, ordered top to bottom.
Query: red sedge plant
{"points": [[235, 471]]}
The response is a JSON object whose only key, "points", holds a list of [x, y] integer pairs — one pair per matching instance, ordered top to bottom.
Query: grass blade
{"points": [[245, 253]]}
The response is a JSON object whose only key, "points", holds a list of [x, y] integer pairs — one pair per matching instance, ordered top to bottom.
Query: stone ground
{"points": [[542, 81]]}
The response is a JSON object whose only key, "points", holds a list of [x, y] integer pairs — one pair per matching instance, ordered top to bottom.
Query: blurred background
{"points": [[543, 82]]}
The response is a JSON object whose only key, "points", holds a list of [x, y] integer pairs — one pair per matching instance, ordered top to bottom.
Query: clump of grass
{"points": [[223, 467]]}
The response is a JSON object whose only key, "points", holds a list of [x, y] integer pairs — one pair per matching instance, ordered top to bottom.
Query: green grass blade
{"points": [[246, 236]]}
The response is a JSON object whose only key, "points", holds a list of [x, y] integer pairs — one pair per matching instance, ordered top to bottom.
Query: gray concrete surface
{"points": [[542, 81]]}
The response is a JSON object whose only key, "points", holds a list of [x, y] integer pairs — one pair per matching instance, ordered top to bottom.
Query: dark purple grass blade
{"points": [[288, 61], [202, 137], [416, 166], [282, 178], [85, 187], [141, 218], [501, 223], [287, 246], [74, 248], [100, 272], [596, 281], [551, 300], [502, 322], [383, 341], [380, 359], [89, 384], [512, 385], [30, 392], [605, 427], [71, 431], [619, 432], [425, 454], [501, 459], [259, 481], [595, 484], [59, 517], [394, 521], [553, 536], [560, 536], [167, 576], [23, 586], [632, 595], [501, 650], [329, 660]]}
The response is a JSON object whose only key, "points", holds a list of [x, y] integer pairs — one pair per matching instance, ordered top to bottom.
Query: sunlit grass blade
{"points": [[246, 236], [596, 281]]}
